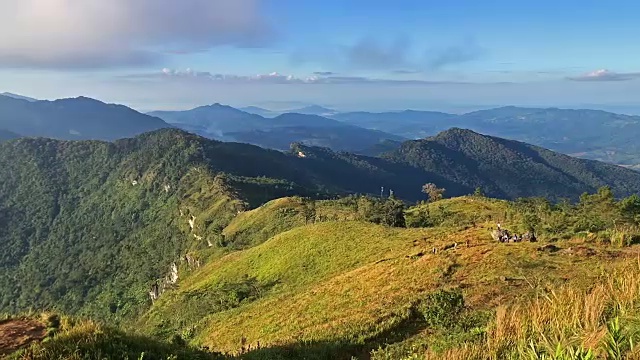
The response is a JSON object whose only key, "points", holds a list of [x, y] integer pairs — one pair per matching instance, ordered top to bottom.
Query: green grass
{"points": [[349, 287]]}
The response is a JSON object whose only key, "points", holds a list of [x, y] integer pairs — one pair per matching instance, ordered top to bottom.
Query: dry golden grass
{"points": [[569, 316]]}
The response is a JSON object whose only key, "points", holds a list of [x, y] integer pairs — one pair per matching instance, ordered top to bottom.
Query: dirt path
{"points": [[18, 333]]}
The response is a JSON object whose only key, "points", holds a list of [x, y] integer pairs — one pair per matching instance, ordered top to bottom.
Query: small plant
{"points": [[616, 344]]}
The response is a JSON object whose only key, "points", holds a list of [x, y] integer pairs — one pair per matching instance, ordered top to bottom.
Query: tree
{"points": [[433, 192], [478, 192], [308, 210], [393, 213]]}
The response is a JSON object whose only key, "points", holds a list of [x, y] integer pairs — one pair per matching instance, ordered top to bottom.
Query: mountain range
{"points": [[73, 119], [225, 123], [590, 134], [235, 238]]}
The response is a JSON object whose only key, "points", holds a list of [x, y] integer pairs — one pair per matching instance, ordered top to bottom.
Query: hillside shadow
{"points": [[340, 350]]}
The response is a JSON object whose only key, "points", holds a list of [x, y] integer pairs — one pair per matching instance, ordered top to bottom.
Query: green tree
{"points": [[433, 192], [478, 192]]}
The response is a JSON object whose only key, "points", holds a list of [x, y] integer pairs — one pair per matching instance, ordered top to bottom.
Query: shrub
{"points": [[442, 309]]}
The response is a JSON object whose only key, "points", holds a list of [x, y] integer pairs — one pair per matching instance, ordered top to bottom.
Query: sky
{"points": [[454, 55]]}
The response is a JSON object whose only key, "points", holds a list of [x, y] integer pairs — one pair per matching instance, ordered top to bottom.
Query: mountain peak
{"points": [[18, 97]]}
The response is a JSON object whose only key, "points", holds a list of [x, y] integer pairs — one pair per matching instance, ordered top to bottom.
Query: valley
{"points": [[260, 254]]}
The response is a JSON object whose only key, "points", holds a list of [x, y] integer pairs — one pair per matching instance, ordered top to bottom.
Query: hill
{"points": [[16, 96], [260, 111], [74, 119], [213, 121], [225, 123], [410, 124], [591, 134], [7, 135], [511, 169], [86, 225], [177, 238], [344, 287]]}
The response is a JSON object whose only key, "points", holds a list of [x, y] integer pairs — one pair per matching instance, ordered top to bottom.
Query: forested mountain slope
{"points": [[226, 123], [511, 169], [86, 225]]}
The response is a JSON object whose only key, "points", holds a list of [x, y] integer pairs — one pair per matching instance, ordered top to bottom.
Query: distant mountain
{"points": [[16, 96], [307, 110], [314, 110], [260, 111], [74, 119], [213, 121], [226, 123], [410, 124], [591, 134], [7, 135], [511, 169]]}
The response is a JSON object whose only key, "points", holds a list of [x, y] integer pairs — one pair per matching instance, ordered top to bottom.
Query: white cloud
{"points": [[104, 33], [190, 75], [605, 75]]}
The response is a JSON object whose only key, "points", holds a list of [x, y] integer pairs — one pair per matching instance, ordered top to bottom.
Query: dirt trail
{"points": [[18, 333]]}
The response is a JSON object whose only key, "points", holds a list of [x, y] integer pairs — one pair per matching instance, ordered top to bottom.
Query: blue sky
{"points": [[372, 55]]}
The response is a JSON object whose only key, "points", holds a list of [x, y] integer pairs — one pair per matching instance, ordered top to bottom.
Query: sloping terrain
{"points": [[74, 119], [222, 122], [591, 134], [7, 135], [511, 169], [191, 240], [344, 288], [16, 334]]}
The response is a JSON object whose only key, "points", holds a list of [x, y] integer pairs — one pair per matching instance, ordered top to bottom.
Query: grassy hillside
{"points": [[247, 267], [346, 288], [49, 337]]}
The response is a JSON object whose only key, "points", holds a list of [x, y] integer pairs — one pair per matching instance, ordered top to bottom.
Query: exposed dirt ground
{"points": [[18, 333]]}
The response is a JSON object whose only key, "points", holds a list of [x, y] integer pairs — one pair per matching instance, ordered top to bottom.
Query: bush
{"points": [[442, 309]]}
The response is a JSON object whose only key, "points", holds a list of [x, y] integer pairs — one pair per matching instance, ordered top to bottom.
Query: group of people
{"points": [[503, 236]]}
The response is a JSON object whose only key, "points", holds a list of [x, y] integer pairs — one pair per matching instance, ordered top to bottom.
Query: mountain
{"points": [[16, 96], [314, 110], [260, 111], [74, 119], [213, 121], [226, 123], [409, 124], [590, 134], [7, 135], [511, 169], [93, 222], [221, 246]]}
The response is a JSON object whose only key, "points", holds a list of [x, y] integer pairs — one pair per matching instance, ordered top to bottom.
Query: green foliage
{"points": [[510, 169], [433, 192], [442, 309], [88, 341]]}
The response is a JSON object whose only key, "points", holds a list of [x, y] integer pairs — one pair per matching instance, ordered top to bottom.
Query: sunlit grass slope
{"points": [[353, 283]]}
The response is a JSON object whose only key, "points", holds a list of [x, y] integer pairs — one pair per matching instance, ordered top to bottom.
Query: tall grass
{"points": [[568, 323]]}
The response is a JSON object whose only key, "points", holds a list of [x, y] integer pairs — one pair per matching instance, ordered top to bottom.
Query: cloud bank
{"points": [[70, 34], [605, 75], [193, 76]]}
